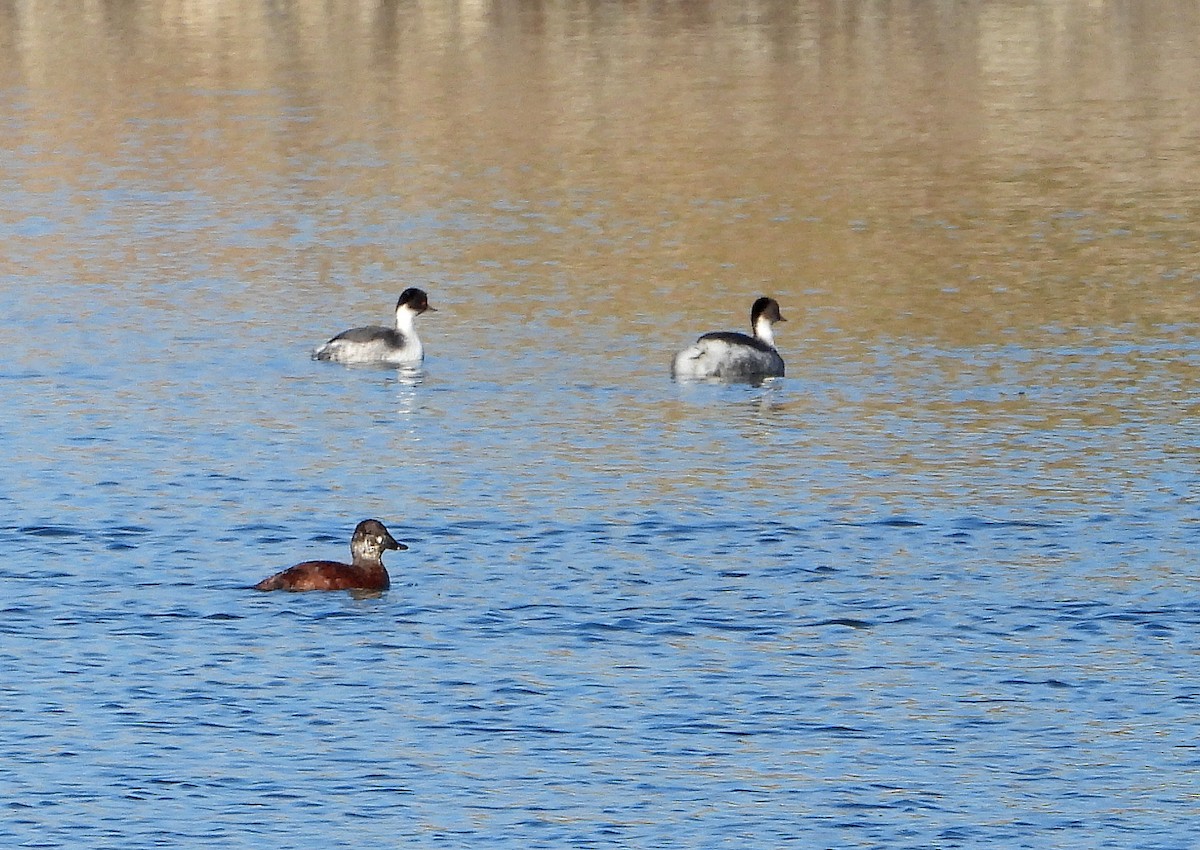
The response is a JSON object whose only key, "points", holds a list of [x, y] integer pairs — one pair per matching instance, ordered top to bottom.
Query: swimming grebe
{"points": [[382, 345], [735, 356], [366, 573]]}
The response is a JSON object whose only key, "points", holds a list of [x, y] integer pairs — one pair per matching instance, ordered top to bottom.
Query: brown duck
{"points": [[365, 573]]}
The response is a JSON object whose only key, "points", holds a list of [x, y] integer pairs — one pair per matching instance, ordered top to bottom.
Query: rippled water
{"points": [[936, 588]]}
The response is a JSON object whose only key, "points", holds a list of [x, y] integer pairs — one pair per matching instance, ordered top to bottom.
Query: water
{"points": [[935, 588]]}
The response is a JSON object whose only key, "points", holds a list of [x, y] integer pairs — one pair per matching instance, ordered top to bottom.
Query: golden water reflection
{"points": [[929, 170]]}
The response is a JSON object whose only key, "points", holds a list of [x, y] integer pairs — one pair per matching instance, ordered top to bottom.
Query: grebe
{"points": [[382, 345], [735, 356]]}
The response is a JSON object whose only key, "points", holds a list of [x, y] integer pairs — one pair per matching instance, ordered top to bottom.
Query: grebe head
{"points": [[415, 300], [763, 314]]}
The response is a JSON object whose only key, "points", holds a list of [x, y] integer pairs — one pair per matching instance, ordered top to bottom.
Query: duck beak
{"points": [[389, 542]]}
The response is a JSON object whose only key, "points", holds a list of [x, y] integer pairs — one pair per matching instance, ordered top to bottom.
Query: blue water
{"points": [[936, 588], [633, 613]]}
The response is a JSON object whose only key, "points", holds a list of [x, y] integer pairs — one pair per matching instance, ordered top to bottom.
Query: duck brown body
{"points": [[365, 573]]}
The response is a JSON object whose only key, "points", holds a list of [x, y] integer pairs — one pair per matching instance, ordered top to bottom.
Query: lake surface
{"points": [[935, 588]]}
